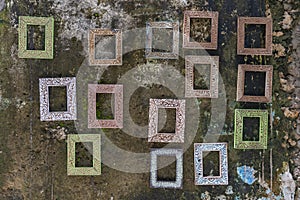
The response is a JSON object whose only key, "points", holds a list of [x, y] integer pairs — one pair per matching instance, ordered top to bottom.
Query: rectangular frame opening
{"points": [[200, 29], [255, 36], [36, 37], [162, 40], [105, 47], [201, 77], [255, 83], [57, 98], [104, 108], [170, 122], [251, 127], [83, 154], [211, 163], [167, 173]]}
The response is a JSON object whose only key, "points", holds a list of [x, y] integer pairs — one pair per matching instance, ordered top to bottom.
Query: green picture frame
{"points": [[48, 22], [262, 143], [71, 156]]}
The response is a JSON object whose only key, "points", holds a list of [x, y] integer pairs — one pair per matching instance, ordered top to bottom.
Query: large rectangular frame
{"points": [[242, 21], [48, 22], [105, 32], [149, 39], [187, 43], [190, 61], [242, 69], [117, 90], [71, 113], [153, 134], [239, 143], [178, 153], [71, 160], [200, 179]]}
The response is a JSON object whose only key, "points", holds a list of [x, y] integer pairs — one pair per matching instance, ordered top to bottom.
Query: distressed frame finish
{"points": [[242, 21], [48, 22], [105, 32], [213, 44], [175, 47], [190, 61], [242, 69], [117, 90], [71, 113], [153, 134], [239, 143], [178, 153], [71, 159], [200, 179]]}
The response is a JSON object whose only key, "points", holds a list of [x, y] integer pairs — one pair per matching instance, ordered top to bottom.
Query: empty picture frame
{"points": [[24, 22], [241, 24], [149, 40], [187, 40], [118, 47], [190, 62], [268, 70], [117, 90], [70, 113], [153, 132], [95, 139], [262, 143], [178, 153], [200, 179]]}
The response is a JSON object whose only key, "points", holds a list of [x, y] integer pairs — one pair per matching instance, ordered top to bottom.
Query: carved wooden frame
{"points": [[242, 21], [105, 32], [187, 43], [190, 61], [117, 90], [240, 96], [153, 134], [239, 143], [71, 159], [200, 179]]}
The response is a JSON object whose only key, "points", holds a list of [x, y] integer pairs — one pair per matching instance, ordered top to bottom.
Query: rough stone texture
{"points": [[2, 5], [76, 24], [288, 186]]}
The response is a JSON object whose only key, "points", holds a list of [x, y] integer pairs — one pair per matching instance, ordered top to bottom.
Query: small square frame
{"points": [[242, 21], [48, 22], [105, 32], [149, 38], [187, 43], [190, 61], [241, 83], [117, 90], [45, 114], [153, 134], [239, 143], [72, 170], [200, 179], [154, 183]]}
